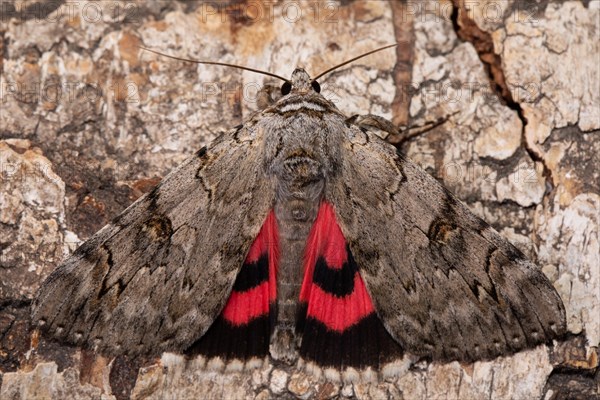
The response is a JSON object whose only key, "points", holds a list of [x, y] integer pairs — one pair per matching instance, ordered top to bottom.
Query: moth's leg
{"points": [[392, 133]]}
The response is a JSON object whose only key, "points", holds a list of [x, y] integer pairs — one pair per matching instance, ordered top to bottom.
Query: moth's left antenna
{"points": [[216, 63]]}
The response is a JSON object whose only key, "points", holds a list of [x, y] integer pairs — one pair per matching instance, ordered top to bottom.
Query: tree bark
{"points": [[89, 122]]}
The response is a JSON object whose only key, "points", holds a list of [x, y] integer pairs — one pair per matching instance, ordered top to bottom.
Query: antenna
{"points": [[354, 59], [216, 63], [265, 72]]}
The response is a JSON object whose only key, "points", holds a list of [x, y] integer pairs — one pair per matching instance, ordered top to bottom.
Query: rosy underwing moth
{"points": [[300, 234]]}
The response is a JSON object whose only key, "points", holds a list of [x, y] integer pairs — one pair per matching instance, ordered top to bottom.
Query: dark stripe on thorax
{"points": [[303, 104]]}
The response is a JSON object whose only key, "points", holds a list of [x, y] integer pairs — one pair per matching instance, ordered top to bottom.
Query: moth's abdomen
{"points": [[300, 184]]}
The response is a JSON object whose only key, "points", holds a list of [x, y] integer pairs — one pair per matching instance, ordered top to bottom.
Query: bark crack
{"points": [[467, 30]]}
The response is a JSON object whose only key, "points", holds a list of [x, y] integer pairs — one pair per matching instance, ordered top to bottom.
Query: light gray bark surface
{"points": [[88, 123]]}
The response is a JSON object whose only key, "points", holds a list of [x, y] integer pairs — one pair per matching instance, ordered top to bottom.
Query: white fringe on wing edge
{"points": [[388, 371]]}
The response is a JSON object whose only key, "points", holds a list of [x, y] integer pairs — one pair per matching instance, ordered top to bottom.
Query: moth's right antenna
{"points": [[354, 59], [216, 63]]}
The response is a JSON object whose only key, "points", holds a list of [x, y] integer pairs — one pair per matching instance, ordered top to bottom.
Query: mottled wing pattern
{"points": [[159, 274], [444, 283]]}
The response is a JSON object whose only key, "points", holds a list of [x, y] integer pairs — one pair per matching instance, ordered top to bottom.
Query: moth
{"points": [[300, 235]]}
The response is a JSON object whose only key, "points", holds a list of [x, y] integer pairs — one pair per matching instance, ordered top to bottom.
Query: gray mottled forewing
{"points": [[157, 276], [445, 283]]}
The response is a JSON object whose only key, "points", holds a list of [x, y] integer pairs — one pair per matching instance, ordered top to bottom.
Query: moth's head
{"points": [[300, 82]]}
